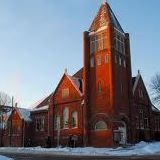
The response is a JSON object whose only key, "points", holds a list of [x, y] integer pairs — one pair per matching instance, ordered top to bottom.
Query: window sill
{"points": [[74, 127], [65, 128], [40, 130], [99, 130]]}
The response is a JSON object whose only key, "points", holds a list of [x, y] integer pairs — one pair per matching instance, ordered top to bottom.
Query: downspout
{"points": [[86, 65], [48, 120], [23, 133], [10, 136], [22, 143]]}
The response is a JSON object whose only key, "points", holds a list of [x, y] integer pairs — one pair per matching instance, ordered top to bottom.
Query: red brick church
{"points": [[101, 105]]}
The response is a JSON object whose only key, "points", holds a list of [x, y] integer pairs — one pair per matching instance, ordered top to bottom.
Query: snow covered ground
{"points": [[141, 148], [5, 158]]}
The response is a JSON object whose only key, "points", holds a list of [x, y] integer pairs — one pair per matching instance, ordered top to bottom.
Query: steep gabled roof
{"points": [[106, 15], [114, 20], [79, 74], [74, 80], [135, 81], [76, 83], [41, 103], [41, 109], [24, 113]]}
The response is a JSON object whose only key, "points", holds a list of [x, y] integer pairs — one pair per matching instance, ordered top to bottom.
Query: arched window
{"points": [[106, 59], [99, 60], [92, 62], [99, 86], [65, 93], [65, 117], [75, 119], [57, 122], [40, 123], [100, 125]]}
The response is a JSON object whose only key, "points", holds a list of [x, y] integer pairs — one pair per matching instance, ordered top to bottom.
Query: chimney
{"points": [[65, 71]]}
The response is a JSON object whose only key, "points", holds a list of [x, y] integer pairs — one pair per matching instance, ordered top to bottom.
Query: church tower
{"points": [[107, 80]]}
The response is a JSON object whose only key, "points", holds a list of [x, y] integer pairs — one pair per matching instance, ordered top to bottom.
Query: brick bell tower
{"points": [[107, 81]]}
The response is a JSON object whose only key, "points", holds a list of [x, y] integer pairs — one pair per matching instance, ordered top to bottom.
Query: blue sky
{"points": [[40, 38]]}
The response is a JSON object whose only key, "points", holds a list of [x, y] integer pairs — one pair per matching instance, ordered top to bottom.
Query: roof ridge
{"points": [[76, 87]]}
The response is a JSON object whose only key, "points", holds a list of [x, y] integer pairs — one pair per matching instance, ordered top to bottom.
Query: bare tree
{"points": [[155, 88], [5, 99], [5, 102]]}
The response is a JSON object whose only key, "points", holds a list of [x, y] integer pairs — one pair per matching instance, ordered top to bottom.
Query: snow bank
{"points": [[141, 148], [5, 158]]}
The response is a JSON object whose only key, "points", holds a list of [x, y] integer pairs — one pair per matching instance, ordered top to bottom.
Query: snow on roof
{"points": [[100, 29], [133, 81], [136, 82], [76, 83], [38, 103], [41, 103], [43, 108], [155, 109], [24, 113], [8, 114]]}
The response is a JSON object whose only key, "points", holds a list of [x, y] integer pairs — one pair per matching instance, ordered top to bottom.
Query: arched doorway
{"points": [[120, 133]]}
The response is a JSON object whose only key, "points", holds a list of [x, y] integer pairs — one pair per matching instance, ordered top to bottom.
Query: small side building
{"points": [[39, 115], [17, 131]]}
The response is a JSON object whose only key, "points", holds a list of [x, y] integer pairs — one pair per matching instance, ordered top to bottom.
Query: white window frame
{"points": [[119, 41], [97, 42], [107, 58], [116, 59], [99, 60], [120, 61], [92, 62], [124, 63], [100, 86], [140, 93], [66, 118], [75, 119], [141, 119], [57, 122], [137, 122], [146, 123], [40, 124], [100, 126]]}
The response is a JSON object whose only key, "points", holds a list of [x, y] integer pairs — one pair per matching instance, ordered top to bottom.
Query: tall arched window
{"points": [[99, 60], [99, 86], [65, 117], [75, 119], [57, 122], [100, 125]]}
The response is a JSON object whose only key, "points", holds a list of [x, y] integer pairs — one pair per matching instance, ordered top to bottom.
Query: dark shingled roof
{"points": [[113, 19], [79, 74], [133, 81]]}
